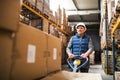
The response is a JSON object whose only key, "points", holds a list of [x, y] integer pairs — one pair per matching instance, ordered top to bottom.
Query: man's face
{"points": [[80, 30]]}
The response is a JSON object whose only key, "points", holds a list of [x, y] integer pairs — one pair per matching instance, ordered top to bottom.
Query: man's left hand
{"points": [[84, 55]]}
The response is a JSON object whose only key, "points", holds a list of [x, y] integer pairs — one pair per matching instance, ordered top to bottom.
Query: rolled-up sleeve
{"points": [[90, 45], [69, 46]]}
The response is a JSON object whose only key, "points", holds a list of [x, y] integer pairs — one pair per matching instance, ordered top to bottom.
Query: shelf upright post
{"points": [[106, 36], [113, 55]]}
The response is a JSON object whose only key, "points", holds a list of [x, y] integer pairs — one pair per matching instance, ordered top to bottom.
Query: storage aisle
{"points": [[98, 69]]}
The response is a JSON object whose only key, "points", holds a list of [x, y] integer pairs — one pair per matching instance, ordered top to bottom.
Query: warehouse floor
{"points": [[97, 68]]}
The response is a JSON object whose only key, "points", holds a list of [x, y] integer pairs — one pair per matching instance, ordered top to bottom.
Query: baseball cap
{"points": [[81, 24]]}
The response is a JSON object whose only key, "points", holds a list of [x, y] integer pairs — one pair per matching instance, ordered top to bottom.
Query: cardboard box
{"points": [[32, 2], [40, 5], [46, 8], [111, 10], [59, 12], [9, 14], [37, 23], [45, 26], [64, 39], [6, 47], [30, 54], [54, 58], [92, 58], [65, 75], [117, 75]]}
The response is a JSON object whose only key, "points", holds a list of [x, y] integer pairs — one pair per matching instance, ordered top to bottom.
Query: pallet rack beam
{"points": [[55, 25], [115, 26]]}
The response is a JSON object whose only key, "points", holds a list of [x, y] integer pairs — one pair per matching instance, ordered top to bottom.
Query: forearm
{"points": [[69, 46], [90, 48], [68, 51], [89, 51], [86, 54], [70, 55]]}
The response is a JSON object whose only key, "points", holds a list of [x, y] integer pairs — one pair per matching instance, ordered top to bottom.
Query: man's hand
{"points": [[71, 55], [84, 55]]}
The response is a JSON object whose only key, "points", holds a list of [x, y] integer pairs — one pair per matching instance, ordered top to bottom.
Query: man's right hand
{"points": [[71, 55]]}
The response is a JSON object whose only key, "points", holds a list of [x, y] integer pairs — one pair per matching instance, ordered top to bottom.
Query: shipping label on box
{"points": [[31, 53], [54, 53]]}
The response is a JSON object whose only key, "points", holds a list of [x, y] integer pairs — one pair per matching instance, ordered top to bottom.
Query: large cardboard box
{"points": [[9, 14], [6, 47], [30, 54], [54, 58]]}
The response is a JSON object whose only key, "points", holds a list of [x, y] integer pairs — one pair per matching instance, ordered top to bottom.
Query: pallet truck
{"points": [[76, 64]]}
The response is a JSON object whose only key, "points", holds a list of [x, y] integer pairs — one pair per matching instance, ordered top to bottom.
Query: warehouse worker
{"points": [[80, 44]]}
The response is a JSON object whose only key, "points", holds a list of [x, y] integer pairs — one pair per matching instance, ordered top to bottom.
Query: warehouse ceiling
{"points": [[87, 11]]}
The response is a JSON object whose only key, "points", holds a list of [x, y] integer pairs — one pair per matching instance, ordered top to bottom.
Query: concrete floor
{"points": [[94, 69], [98, 69]]}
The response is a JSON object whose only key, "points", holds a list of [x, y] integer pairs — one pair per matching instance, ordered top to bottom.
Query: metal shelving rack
{"points": [[38, 13], [116, 22], [115, 27]]}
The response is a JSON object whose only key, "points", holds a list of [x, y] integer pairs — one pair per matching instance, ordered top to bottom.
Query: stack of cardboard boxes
{"points": [[108, 10], [9, 14], [58, 17], [109, 17], [102, 24], [36, 52], [26, 53], [107, 66]]}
